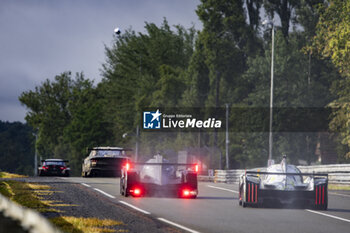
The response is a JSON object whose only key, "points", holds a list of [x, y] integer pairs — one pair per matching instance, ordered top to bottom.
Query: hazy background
{"points": [[42, 38]]}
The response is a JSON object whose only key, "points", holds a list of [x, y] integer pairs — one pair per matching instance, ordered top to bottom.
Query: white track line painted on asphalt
{"points": [[86, 185], [229, 190], [104, 193], [339, 194], [134, 207], [328, 215], [178, 225]]}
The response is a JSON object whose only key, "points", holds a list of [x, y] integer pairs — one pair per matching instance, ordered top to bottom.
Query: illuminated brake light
{"points": [[127, 166], [45, 168], [63, 168], [196, 168], [137, 191], [186, 193]]}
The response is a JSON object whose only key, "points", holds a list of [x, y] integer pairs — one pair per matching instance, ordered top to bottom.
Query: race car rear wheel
{"points": [[121, 188], [240, 195]]}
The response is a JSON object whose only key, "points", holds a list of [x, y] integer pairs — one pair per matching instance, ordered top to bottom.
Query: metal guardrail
{"points": [[337, 173], [227, 176], [27, 219]]}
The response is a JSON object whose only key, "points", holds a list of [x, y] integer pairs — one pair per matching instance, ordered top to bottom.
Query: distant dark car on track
{"points": [[104, 161], [54, 167], [283, 184]]}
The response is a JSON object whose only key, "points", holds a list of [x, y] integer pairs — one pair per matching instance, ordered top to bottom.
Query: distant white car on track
{"points": [[283, 184]]}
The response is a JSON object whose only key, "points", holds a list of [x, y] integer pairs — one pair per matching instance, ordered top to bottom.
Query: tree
{"points": [[253, 7], [284, 9], [307, 15], [333, 34], [332, 41], [145, 70], [296, 84], [48, 111], [69, 118], [16, 148]]}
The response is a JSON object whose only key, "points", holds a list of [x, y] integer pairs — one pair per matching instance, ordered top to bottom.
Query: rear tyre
{"points": [[93, 173], [121, 187], [125, 193], [240, 194], [243, 195]]}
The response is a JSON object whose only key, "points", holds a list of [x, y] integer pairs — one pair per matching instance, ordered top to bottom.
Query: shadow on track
{"points": [[217, 198], [338, 210]]}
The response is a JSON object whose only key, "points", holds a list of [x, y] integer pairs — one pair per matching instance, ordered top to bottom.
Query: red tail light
{"points": [[93, 162], [127, 166], [45, 167], [63, 168], [196, 168], [137, 192], [185, 193]]}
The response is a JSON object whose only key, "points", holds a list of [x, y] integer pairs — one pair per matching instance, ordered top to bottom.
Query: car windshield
{"points": [[108, 153], [59, 163], [288, 179]]}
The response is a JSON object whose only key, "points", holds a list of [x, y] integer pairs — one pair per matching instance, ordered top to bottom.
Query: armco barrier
{"points": [[337, 173], [227, 176], [205, 178], [23, 218]]}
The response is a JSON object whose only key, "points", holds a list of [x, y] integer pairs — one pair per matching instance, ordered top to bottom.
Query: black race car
{"points": [[104, 161], [54, 167], [158, 176], [283, 185]]}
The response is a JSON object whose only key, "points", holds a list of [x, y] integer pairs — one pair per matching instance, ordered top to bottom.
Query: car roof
{"points": [[107, 148], [55, 160], [278, 168]]}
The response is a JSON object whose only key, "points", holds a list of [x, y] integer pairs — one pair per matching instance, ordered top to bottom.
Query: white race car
{"points": [[283, 184]]}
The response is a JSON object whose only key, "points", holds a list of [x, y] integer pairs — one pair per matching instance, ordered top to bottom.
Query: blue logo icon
{"points": [[151, 120]]}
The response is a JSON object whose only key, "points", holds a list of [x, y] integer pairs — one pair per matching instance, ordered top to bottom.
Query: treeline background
{"points": [[227, 62]]}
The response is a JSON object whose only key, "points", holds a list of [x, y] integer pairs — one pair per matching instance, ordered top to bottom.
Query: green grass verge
{"points": [[10, 175], [338, 187], [24, 194], [32, 195], [86, 225]]}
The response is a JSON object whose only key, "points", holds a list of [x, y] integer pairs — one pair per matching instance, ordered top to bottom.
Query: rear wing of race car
{"points": [[109, 148], [66, 161], [194, 166], [256, 173]]}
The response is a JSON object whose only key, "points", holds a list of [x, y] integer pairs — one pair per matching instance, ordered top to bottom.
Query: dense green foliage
{"points": [[333, 41], [228, 61], [68, 116], [16, 148]]}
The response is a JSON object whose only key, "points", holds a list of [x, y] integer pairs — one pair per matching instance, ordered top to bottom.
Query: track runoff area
{"points": [[216, 209]]}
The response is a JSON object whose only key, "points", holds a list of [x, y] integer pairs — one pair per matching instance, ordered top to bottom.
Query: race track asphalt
{"points": [[216, 209]]}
